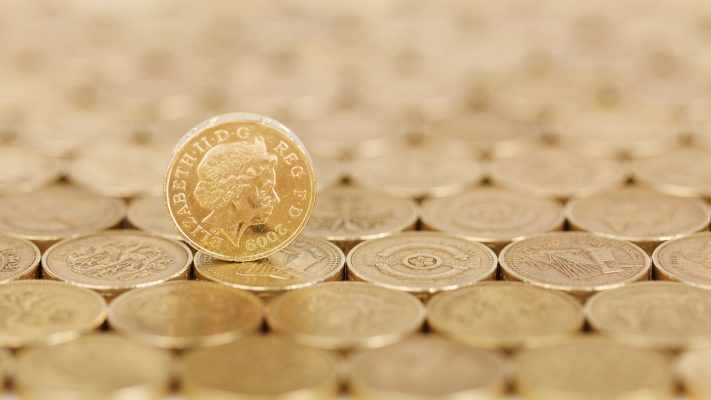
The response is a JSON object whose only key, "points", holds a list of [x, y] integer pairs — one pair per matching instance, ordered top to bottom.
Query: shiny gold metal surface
{"points": [[240, 187], [149, 214], [19, 259], [685, 260]]}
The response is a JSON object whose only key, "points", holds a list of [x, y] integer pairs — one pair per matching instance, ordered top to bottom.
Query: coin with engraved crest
{"points": [[23, 169], [684, 172], [557, 173], [240, 187], [57, 212], [149, 214], [347, 216], [492, 216], [641, 216], [19, 259], [686, 259], [112, 262], [305, 262], [576, 262], [421, 263], [38, 312], [186, 314], [345, 315], [505, 315], [666, 315], [99, 366], [260, 367], [427, 367], [593, 368], [694, 372]]}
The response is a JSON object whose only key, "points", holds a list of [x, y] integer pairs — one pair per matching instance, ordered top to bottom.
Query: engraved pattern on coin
{"points": [[683, 172], [240, 187], [149, 214], [18, 258], [686, 259], [574, 261], [304, 262], [421, 262], [504, 314], [660, 314], [343, 315]]}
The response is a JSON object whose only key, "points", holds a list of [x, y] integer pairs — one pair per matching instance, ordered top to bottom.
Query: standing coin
{"points": [[23, 169], [683, 172], [240, 187], [56, 213], [149, 214], [348, 216], [492, 216], [641, 216], [19, 259], [685, 259], [112, 262], [305, 262], [575, 262], [421, 263], [38, 312], [187, 314], [657, 314], [345, 315], [505, 315], [95, 367], [261, 367], [427, 367], [592, 368], [695, 374]]}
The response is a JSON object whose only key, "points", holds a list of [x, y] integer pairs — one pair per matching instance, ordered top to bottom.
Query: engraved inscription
{"points": [[350, 214], [9, 260], [119, 260], [416, 261], [577, 263], [29, 309]]}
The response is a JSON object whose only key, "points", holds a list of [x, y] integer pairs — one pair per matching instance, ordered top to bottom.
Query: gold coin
{"points": [[23, 169], [120, 169], [329, 172], [682, 172], [417, 173], [557, 173], [240, 187], [57, 212], [149, 214], [347, 216], [492, 216], [643, 217], [19, 259], [685, 260], [112, 262], [305, 262], [575, 262], [421, 263], [39, 312], [186, 314], [656, 314], [345, 315], [505, 315], [5, 363], [95, 367], [260, 367], [427, 367], [592, 368], [694, 372]]}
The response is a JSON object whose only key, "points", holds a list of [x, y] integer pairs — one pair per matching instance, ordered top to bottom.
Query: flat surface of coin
{"points": [[25, 170], [683, 172], [417, 173], [557, 173], [240, 187], [57, 212], [149, 214], [347, 216], [492, 216], [640, 216], [19, 259], [685, 259], [112, 262], [305, 262], [575, 262], [422, 263], [38, 312], [186, 314], [656, 314], [345, 315], [505, 315], [95, 367], [260, 367], [427, 367], [593, 369], [694, 372]]}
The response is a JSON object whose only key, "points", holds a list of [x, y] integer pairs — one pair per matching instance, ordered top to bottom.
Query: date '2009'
{"points": [[265, 240]]}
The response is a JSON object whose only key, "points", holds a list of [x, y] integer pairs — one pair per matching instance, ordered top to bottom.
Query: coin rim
{"points": [[642, 176], [32, 269], [669, 274]]}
